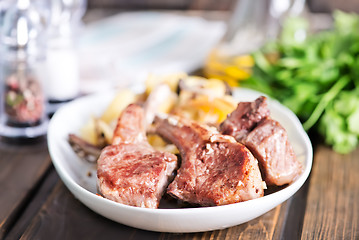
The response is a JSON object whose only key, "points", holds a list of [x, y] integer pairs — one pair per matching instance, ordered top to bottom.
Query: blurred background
{"points": [[224, 5], [85, 28], [55, 51]]}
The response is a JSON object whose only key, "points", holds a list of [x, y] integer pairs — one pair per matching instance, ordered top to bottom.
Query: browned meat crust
{"points": [[244, 118], [251, 125], [269, 143], [215, 169], [130, 171]]}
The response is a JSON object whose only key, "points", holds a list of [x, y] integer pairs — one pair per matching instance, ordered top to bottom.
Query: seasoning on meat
{"points": [[244, 118], [251, 125], [269, 143], [215, 169], [130, 171]]}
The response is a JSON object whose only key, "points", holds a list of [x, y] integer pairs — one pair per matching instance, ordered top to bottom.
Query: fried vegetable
{"points": [[170, 79], [203, 86], [200, 99], [160, 100], [204, 100], [120, 102], [218, 108], [104, 131], [88, 132], [97, 132], [159, 144]]}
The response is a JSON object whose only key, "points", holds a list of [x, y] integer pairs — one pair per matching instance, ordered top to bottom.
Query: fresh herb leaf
{"points": [[316, 77]]}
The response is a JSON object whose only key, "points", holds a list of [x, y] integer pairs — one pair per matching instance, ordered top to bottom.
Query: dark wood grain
{"points": [[21, 170], [34, 205], [332, 210], [64, 217], [268, 226], [292, 226]]}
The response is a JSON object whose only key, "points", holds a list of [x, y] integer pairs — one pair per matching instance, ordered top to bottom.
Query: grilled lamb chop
{"points": [[244, 118], [251, 125], [269, 144], [215, 169], [130, 171]]}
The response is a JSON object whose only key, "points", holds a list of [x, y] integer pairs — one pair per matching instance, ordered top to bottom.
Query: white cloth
{"points": [[125, 48]]}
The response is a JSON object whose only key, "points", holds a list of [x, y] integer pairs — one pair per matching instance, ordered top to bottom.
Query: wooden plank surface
{"points": [[21, 170], [34, 205], [326, 207], [332, 210], [64, 217], [267, 226]]}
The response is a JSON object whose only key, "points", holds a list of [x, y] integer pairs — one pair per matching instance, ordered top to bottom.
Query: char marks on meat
{"points": [[244, 118], [266, 138], [215, 169], [130, 171]]}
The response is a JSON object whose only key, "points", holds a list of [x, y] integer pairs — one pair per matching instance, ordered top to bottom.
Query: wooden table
{"points": [[35, 204]]}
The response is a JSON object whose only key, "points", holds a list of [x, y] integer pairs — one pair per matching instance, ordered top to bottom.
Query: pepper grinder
{"points": [[22, 99]]}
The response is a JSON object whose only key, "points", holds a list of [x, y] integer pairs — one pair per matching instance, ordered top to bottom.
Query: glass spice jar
{"points": [[23, 96], [22, 99]]}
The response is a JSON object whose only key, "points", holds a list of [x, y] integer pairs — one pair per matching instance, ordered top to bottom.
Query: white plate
{"points": [[74, 172]]}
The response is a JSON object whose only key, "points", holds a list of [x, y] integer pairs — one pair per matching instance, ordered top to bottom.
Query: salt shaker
{"points": [[62, 61], [22, 98]]}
